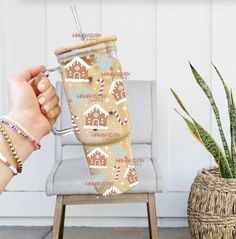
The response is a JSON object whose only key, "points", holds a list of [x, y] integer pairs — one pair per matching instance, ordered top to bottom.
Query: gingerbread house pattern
{"points": [[76, 70], [117, 89], [95, 117], [97, 158], [131, 176], [111, 191]]}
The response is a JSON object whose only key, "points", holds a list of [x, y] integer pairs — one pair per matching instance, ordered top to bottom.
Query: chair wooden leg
{"points": [[59, 217], [152, 218], [62, 222]]}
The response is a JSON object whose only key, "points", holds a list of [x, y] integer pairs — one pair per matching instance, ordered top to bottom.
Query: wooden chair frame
{"points": [[63, 200]]}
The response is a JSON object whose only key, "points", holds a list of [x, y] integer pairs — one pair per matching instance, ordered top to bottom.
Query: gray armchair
{"points": [[68, 177]]}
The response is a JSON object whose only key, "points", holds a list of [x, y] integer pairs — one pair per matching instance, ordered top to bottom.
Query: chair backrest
{"points": [[142, 105]]}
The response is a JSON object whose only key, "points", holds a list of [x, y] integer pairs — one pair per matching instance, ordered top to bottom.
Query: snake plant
{"points": [[225, 157]]}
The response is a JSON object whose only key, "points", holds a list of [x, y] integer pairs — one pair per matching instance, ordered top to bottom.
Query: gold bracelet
{"points": [[12, 148]]}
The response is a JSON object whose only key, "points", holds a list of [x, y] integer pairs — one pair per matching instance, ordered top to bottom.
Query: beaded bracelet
{"points": [[18, 128], [12, 148], [10, 166]]}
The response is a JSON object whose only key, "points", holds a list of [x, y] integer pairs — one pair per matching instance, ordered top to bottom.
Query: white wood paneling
{"points": [[134, 24], [61, 25], [184, 30], [24, 34], [156, 38], [2, 42], [25, 45], [223, 56], [45, 206]]}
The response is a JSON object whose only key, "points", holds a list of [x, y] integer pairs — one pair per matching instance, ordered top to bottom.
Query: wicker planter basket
{"points": [[212, 206]]}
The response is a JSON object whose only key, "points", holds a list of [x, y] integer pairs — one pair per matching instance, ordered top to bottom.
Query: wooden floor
{"points": [[91, 233]]}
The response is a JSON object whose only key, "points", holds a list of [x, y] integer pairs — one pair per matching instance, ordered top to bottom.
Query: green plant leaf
{"points": [[179, 101], [215, 109], [232, 113], [232, 118], [191, 127], [233, 131], [210, 144], [215, 150]]}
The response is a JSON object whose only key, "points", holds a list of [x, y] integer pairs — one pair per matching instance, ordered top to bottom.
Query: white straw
{"points": [[76, 18]]}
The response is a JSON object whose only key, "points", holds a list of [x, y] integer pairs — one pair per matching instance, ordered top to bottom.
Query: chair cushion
{"points": [[71, 176]]}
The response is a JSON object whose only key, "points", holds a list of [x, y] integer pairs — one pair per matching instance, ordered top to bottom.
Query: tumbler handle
{"points": [[48, 71], [55, 131], [62, 132]]}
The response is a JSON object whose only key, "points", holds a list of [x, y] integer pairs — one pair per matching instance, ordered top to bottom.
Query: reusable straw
{"points": [[77, 23], [67, 131]]}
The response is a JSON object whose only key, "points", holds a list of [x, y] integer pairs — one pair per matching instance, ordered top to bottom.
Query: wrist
{"points": [[28, 121], [23, 147]]}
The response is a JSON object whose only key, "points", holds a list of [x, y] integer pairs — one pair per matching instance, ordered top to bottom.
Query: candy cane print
{"points": [[102, 82], [73, 119], [121, 122], [117, 168]]}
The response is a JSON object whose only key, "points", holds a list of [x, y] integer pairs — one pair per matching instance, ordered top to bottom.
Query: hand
{"points": [[33, 101]]}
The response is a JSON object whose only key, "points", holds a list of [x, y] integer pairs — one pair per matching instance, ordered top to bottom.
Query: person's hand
{"points": [[33, 101]]}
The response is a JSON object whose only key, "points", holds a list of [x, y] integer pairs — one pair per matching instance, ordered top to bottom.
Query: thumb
{"points": [[28, 73]]}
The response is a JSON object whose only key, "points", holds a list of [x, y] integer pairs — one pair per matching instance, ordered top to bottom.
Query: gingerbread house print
{"points": [[90, 60], [76, 70], [117, 89], [95, 117], [97, 158], [131, 176], [111, 191]]}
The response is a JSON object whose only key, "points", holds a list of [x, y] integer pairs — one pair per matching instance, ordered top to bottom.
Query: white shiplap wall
{"points": [[160, 35]]}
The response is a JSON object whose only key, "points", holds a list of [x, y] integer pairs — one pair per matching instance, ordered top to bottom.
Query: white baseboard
{"points": [[38, 205], [37, 210], [93, 222]]}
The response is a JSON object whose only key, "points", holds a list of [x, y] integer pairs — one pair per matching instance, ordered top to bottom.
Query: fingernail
{"points": [[41, 86], [41, 100], [46, 108]]}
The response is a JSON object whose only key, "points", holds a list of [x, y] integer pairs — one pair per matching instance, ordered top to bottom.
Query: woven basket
{"points": [[212, 206]]}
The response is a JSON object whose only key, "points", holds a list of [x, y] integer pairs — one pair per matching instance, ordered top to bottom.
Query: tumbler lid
{"points": [[84, 44]]}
